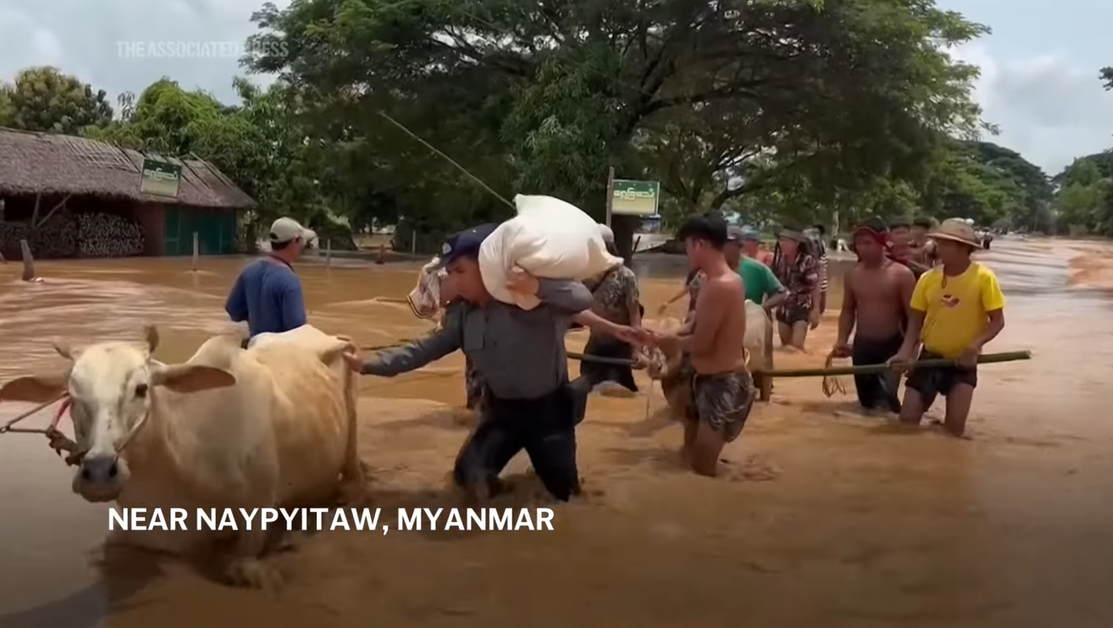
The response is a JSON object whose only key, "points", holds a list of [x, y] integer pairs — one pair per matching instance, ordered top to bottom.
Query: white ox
{"points": [[663, 364], [271, 426]]}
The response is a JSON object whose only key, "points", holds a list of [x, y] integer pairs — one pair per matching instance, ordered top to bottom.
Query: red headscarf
{"points": [[881, 236]]}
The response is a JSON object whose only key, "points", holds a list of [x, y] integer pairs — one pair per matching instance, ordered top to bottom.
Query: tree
{"points": [[544, 97], [44, 99], [7, 109], [257, 143]]}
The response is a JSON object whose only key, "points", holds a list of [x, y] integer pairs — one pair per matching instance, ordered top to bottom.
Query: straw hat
{"points": [[956, 230]]}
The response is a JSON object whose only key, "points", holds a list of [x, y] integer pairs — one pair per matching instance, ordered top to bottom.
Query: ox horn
{"points": [[150, 333], [64, 349]]}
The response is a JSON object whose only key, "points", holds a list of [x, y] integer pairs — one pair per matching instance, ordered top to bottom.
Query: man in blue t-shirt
{"points": [[267, 294]]}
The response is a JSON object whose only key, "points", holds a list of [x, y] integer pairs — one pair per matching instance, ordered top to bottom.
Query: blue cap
{"points": [[749, 233], [466, 242]]}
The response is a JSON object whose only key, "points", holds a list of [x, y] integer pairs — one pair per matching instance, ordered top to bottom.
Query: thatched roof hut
{"points": [[48, 164]]}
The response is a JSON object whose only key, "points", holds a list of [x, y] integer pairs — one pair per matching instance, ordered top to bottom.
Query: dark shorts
{"points": [[792, 314], [606, 347], [933, 382], [876, 390], [723, 400]]}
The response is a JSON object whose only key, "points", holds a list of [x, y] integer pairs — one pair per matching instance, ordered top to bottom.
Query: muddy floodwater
{"points": [[822, 518]]}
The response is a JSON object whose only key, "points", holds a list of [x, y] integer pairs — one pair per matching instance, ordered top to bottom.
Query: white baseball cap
{"points": [[286, 229]]}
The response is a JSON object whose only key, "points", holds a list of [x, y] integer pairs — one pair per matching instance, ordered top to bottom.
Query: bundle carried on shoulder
{"points": [[548, 238]]}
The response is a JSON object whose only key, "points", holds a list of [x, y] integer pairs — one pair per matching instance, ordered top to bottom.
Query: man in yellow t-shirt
{"points": [[956, 309]]}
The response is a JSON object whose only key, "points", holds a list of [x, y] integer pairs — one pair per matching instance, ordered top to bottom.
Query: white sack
{"points": [[548, 238], [757, 329], [306, 336]]}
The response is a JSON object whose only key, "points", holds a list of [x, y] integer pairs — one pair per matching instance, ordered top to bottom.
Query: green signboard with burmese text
{"points": [[160, 178], [635, 198]]}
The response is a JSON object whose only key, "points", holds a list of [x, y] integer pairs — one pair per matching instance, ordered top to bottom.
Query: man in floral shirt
{"points": [[799, 272], [616, 300]]}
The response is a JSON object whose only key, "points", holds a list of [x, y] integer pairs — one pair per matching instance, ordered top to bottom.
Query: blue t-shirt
{"points": [[267, 295]]}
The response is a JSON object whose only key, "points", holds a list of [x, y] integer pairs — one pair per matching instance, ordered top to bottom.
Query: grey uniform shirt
{"points": [[519, 353]]}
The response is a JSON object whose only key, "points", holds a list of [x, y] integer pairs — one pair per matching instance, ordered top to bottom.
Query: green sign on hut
{"points": [[160, 178], [635, 198]]}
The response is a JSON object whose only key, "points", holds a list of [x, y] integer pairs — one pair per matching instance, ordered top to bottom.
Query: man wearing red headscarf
{"points": [[876, 297]]}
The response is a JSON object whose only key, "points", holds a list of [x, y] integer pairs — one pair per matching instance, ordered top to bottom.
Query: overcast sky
{"points": [[1039, 67]]}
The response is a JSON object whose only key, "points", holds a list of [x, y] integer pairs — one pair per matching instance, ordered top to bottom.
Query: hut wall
{"points": [[152, 218], [215, 228]]}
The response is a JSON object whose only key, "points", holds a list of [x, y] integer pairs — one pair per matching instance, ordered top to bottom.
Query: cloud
{"points": [[125, 45], [1049, 108]]}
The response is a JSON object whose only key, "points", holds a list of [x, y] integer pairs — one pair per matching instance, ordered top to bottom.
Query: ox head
{"points": [[110, 386]]}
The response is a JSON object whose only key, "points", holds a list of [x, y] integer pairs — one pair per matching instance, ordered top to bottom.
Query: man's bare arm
{"points": [[907, 287], [711, 308], [849, 313], [912, 334]]}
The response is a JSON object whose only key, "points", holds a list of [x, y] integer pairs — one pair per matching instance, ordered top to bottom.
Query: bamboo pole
{"points": [[868, 369], [876, 369]]}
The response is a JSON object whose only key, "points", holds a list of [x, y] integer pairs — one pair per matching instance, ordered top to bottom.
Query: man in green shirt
{"points": [[762, 286]]}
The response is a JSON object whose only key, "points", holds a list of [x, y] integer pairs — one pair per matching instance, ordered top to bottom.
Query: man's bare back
{"points": [[880, 298], [721, 304]]}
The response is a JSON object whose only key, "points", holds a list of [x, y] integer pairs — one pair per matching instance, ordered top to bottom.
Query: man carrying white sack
{"points": [[520, 356]]}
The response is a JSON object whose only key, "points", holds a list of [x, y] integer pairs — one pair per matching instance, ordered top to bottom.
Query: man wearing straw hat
{"points": [[876, 294], [956, 309]]}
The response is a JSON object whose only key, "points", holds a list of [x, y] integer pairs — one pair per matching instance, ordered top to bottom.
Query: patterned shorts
{"points": [[723, 400]]}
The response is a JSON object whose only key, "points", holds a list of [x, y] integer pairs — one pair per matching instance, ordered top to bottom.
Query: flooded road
{"points": [[822, 518]]}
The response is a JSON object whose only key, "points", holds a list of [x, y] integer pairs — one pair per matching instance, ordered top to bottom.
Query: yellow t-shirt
{"points": [[956, 308]]}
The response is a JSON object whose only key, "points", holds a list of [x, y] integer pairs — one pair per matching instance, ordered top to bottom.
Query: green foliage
{"points": [[44, 99], [816, 103], [794, 111], [1084, 204]]}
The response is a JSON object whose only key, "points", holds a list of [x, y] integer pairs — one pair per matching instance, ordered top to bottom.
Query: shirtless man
{"points": [[910, 246], [921, 247], [876, 297], [712, 342]]}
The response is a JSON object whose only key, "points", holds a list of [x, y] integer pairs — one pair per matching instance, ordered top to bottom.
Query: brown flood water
{"points": [[822, 518]]}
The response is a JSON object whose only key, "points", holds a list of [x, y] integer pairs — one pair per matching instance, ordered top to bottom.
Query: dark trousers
{"points": [[605, 347], [880, 390], [544, 427]]}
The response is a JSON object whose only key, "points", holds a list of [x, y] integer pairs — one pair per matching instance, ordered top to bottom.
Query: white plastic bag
{"points": [[548, 238], [425, 298]]}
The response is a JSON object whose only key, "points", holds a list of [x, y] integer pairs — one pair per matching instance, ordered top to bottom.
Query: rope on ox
{"points": [[58, 441]]}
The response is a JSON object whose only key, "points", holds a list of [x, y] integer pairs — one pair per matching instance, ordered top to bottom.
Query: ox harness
{"points": [[58, 441]]}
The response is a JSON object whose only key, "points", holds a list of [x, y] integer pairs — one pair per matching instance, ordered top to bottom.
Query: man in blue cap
{"points": [[520, 356]]}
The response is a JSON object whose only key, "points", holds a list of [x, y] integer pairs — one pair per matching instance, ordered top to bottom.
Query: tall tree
{"points": [[543, 97], [44, 99]]}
